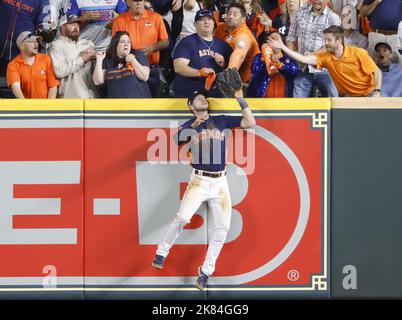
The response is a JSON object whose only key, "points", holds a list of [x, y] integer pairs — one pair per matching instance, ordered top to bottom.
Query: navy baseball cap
{"points": [[203, 13], [69, 18], [382, 44], [196, 93]]}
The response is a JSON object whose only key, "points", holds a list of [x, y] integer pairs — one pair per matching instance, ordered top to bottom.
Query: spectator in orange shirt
{"points": [[146, 28], [235, 32], [353, 71], [30, 74]]}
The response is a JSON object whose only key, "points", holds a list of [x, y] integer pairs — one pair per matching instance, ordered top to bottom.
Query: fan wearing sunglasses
{"points": [[30, 74]]}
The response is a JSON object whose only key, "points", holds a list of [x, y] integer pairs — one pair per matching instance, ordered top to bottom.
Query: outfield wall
{"points": [[87, 189]]}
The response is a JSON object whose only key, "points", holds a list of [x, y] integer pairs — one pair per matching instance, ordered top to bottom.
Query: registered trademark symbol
{"points": [[293, 275]]}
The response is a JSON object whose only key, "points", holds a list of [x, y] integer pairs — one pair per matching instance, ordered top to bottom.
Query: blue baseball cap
{"points": [[203, 13], [69, 18], [382, 44], [196, 93]]}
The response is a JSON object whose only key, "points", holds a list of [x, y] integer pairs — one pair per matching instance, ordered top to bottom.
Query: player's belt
{"points": [[210, 174]]}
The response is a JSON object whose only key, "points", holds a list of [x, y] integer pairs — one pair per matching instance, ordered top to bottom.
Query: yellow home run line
{"points": [[160, 104]]}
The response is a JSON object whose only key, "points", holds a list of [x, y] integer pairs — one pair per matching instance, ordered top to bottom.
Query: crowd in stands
{"points": [[170, 48]]}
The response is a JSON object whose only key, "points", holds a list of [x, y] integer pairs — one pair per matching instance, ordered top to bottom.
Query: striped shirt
{"points": [[307, 28]]}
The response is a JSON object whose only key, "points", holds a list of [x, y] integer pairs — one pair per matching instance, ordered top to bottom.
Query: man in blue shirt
{"points": [[17, 16], [384, 17], [197, 56], [391, 72], [207, 136]]}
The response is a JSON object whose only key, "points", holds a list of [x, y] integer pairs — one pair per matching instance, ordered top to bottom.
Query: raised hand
{"points": [[176, 5], [91, 16], [265, 20], [275, 43], [148, 50], [88, 54], [100, 55], [130, 58], [219, 59], [204, 72], [199, 120]]}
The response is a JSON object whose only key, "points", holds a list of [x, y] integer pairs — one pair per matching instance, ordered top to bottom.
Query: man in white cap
{"points": [[71, 58], [30, 74]]}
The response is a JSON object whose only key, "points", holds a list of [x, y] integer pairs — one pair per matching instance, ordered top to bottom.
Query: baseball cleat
{"points": [[157, 263], [202, 279]]}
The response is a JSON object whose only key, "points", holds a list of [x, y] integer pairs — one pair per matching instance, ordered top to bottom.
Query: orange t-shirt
{"points": [[216, 17], [365, 26], [256, 27], [143, 32], [241, 39], [352, 73], [35, 80], [276, 87]]}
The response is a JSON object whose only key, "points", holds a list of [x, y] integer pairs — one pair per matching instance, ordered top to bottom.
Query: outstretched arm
{"points": [[367, 9], [278, 44], [239, 53], [248, 120]]}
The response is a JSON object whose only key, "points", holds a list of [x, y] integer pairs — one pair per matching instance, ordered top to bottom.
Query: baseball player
{"points": [[208, 179]]}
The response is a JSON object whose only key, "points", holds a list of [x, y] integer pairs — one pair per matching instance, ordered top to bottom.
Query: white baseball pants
{"points": [[216, 192]]}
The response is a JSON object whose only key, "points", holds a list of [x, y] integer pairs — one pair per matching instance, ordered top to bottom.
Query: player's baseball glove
{"points": [[228, 82]]}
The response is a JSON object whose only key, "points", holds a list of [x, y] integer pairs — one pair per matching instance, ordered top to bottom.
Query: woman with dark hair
{"points": [[123, 71]]}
